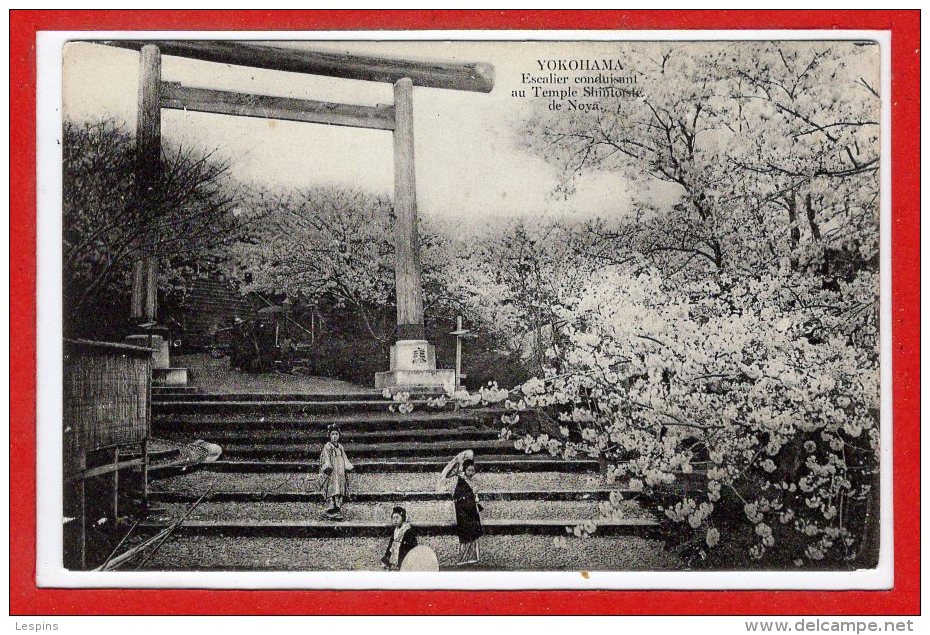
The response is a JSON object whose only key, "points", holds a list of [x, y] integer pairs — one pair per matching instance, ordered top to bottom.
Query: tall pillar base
{"points": [[413, 365], [163, 374], [173, 377], [412, 380]]}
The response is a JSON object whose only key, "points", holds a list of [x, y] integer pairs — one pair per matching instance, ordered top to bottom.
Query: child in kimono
{"points": [[334, 469]]}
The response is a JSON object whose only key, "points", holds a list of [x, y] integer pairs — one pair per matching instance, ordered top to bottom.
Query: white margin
{"points": [[49, 569]]}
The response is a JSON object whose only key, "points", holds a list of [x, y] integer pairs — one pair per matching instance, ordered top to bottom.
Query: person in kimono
{"points": [[334, 470], [467, 508], [403, 539]]}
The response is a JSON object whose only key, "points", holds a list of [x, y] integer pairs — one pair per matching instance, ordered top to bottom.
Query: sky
{"points": [[470, 162]]}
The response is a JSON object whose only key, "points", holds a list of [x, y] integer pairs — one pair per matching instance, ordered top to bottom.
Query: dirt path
{"points": [[215, 376]]}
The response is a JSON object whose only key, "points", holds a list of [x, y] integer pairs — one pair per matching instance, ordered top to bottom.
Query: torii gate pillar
{"points": [[144, 298], [413, 359]]}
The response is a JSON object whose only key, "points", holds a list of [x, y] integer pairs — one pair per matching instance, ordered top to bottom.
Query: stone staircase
{"points": [[208, 303], [263, 509]]}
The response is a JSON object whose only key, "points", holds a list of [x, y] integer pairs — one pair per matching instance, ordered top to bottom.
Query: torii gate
{"points": [[413, 359]]}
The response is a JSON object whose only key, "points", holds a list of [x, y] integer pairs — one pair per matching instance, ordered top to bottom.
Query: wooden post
{"points": [[148, 146], [406, 243], [137, 303], [458, 351], [413, 360], [145, 439], [145, 473], [82, 510], [115, 510], [74, 531]]}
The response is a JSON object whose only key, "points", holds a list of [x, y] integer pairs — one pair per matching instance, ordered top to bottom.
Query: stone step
{"points": [[160, 392], [423, 393], [360, 395], [267, 406], [319, 423], [316, 436], [311, 451], [514, 463], [197, 482], [316, 498], [438, 510], [313, 528], [526, 552]]}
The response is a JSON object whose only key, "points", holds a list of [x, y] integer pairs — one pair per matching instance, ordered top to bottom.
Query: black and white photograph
{"points": [[471, 306]]}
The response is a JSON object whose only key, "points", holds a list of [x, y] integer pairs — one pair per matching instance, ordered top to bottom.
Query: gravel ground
{"points": [[215, 376], [198, 482], [418, 511], [502, 553]]}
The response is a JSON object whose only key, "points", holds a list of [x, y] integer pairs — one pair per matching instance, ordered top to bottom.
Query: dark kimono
{"points": [[467, 512], [403, 539]]}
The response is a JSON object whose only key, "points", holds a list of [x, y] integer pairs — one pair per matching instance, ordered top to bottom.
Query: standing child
{"points": [[334, 469], [403, 540]]}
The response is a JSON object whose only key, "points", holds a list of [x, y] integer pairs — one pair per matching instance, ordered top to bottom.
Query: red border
{"points": [[26, 599]]}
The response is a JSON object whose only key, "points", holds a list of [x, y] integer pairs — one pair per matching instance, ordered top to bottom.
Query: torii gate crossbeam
{"points": [[475, 77]]}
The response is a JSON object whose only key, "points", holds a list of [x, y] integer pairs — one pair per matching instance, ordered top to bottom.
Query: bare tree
{"points": [[188, 211]]}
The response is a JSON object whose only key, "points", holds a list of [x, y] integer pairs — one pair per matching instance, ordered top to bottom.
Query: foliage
{"points": [[763, 144], [109, 223], [322, 245], [333, 248], [508, 280], [721, 356], [732, 380]]}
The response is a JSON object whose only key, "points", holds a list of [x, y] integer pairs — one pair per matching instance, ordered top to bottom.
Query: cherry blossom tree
{"points": [[765, 146], [321, 243], [509, 281], [723, 358]]}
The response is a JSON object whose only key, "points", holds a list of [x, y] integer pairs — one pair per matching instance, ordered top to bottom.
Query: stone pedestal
{"points": [[413, 365], [162, 372], [169, 377]]}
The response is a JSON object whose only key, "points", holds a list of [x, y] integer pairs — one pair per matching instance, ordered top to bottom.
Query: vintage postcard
{"points": [[465, 310]]}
